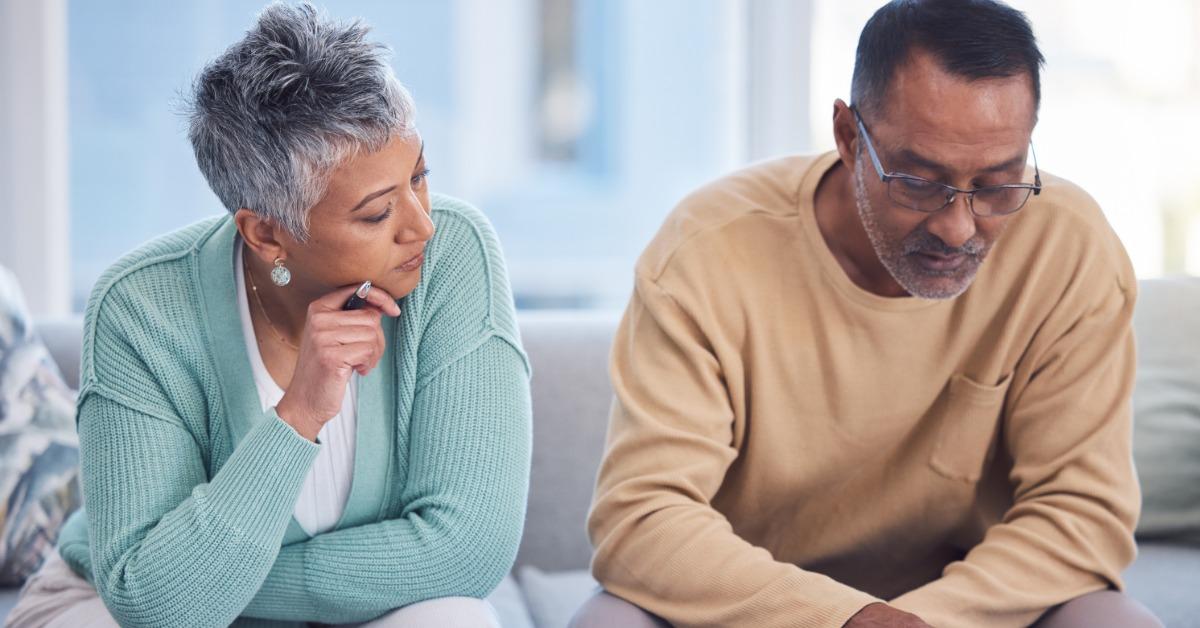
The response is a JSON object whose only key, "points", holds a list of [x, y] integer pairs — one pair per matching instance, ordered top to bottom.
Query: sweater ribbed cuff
{"points": [[256, 490], [839, 611]]}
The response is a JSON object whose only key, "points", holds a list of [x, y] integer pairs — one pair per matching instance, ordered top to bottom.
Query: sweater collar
{"points": [[219, 310], [376, 398]]}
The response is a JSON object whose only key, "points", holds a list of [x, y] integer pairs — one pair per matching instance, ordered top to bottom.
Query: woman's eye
{"points": [[420, 178], [381, 217]]}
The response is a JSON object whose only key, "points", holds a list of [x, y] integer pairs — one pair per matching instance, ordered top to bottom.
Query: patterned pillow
{"points": [[39, 451]]}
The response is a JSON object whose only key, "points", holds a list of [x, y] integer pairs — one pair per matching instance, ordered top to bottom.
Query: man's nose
{"points": [[954, 224]]}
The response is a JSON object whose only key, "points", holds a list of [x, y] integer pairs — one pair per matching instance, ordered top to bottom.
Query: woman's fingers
{"points": [[377, 298], [381, 299], [333, 301], [327, 320], [345, 335], [336, 342], [360, 356]]}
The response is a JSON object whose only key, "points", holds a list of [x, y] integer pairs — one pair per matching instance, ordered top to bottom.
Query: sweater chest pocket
{"points": [[966, 426]]}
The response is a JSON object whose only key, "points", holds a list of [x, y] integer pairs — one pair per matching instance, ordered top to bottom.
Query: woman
{"points": [[251, 451]]}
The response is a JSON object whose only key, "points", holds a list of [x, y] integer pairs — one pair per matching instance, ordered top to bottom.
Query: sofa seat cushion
{"points": [[1166, 408], [1166, 578], [553, 597], [8, 599], [510, 604]]}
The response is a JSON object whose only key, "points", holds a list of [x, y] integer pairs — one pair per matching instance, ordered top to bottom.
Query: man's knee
{"points": [[604, 609], [1102, 609]]}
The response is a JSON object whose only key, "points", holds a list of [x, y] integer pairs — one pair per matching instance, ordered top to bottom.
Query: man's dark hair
{"points": [[974, 39]]}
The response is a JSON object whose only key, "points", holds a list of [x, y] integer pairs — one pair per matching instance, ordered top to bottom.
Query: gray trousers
{"points": [[1102, 609]]}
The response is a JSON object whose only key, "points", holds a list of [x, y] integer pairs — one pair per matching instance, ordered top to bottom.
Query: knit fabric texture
{"points": [[786, 447], [189, 486]]}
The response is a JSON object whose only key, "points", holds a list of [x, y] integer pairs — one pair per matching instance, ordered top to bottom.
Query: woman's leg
{"points": [[55, 597], [605, 609], [447, 612]]}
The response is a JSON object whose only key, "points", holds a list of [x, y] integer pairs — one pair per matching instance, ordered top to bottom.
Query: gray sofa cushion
{"points": [[64, 340], [571, 398], [1166, 403], [1166, 578], [553, 598], [8, 599], [510, 604]]}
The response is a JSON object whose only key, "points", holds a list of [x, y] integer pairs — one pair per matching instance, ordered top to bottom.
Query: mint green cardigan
{"points": [[189, 486]]}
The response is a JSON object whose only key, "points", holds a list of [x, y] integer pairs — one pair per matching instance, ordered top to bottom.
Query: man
{"points": [[830, 411]]}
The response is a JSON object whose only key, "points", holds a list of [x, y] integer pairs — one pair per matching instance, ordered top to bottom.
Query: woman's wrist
{"points": [[304, 425]]}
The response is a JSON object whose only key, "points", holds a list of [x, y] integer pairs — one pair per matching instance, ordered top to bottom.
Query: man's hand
{"points": [[880, 615]]}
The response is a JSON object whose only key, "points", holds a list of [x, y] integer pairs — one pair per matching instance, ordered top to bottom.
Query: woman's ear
{"points": [[262, 236]]}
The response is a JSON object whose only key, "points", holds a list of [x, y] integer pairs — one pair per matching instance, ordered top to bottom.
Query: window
{"points": [[574, 124], [577, 124]]}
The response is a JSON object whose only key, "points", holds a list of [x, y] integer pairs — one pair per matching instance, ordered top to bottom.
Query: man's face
{"points": [[943, 128]]}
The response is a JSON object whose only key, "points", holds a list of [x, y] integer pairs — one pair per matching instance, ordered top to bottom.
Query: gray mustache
{"points": [[924, 242]]}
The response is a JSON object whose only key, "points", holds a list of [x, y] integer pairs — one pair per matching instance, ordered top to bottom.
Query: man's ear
{"points": [[845, 133], [262, 236]]}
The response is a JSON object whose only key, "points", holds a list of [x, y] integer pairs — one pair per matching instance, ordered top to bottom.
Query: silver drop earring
{"points": [[280, 275]]}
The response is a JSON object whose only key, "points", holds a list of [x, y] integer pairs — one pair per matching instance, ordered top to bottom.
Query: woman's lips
{"points": [[412, 264]]}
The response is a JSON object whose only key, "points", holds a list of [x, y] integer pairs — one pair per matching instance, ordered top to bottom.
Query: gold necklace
{"points": [[258, 299]]}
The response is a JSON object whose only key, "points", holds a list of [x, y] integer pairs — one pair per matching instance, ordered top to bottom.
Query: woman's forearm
{"points": [[464, 505], [169, 547]]}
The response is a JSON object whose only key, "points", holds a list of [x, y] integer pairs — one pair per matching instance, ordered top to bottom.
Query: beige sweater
{"points": [[786, 447]]}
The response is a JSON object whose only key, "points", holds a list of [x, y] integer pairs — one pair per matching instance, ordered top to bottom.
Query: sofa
{"points": [[571, 398]]}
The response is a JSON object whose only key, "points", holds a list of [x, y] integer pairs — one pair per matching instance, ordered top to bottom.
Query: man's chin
{"points": [[937, 285]]}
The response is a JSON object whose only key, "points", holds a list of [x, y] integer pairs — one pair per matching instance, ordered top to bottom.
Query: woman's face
{"points": [[373, 223]]}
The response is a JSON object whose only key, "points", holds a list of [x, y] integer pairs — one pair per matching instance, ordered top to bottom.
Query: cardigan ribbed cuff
{"points": [[256, 491]]}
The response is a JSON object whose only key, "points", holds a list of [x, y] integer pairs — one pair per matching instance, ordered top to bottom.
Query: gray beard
{"points": [[895, 254]]}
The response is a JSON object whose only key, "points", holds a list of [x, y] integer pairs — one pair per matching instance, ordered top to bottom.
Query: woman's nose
{"points": [[417, 225]]}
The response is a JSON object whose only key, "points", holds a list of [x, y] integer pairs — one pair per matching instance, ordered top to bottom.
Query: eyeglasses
{"points": [[928, 196]]}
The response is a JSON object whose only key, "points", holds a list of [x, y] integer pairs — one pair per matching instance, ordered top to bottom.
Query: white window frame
{"points": [[778, 73], [34, 182]]}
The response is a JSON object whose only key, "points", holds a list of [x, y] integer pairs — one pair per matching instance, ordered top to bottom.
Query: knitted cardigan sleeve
{"points": [[466, 478], [464, 504], [169, 545]]}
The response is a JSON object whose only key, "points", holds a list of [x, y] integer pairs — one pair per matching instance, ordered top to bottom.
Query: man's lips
{"points": [[940, 262]]}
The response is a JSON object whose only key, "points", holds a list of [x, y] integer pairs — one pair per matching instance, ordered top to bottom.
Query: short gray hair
{"points": [[272, 117]]}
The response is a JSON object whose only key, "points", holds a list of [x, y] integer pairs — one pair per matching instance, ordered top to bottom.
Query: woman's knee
{"points": [[55, 597], [604, 609], [450, 612]]}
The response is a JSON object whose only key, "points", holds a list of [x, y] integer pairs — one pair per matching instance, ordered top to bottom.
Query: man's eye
{"points": [[917, 186]]}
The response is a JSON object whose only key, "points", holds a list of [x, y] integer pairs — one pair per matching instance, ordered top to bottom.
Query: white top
{"points": [[327, 485]]}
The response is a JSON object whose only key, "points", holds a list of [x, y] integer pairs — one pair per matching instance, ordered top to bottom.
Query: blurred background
{"points": [[574, 124]]}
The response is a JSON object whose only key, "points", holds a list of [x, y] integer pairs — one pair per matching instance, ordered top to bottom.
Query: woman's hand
{"points": [[334, 344]]}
